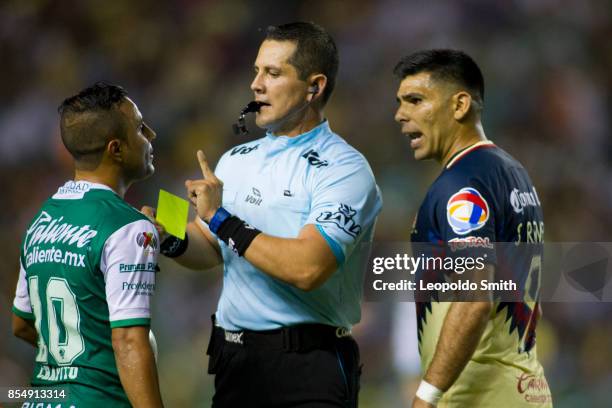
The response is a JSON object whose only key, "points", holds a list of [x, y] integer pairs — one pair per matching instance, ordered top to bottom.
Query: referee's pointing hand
{"points": [[205, 194]]}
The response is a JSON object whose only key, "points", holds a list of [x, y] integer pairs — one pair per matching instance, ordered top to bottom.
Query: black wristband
{"points": [[237, 234], [173, 246]]}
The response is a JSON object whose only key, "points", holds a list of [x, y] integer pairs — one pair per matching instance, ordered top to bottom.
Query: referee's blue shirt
{"points": [[279, 184]]}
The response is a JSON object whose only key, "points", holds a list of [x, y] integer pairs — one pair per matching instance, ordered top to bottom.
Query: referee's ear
{"points": [[317, 87], [462, 102]]}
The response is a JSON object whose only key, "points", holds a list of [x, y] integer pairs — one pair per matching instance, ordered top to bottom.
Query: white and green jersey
{"points": [[88, 263]]}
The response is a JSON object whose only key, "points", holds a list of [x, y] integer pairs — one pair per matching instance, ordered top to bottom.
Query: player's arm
{"points": [[202, 250], [129, 291], [23, 318], [25, 330], [461, 331], [136, 365]]}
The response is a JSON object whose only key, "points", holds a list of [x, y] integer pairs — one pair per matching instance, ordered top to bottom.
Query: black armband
{"points": [[237, 234], [173, 247]]}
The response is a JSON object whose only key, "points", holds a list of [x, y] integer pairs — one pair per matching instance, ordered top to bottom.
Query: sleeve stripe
{"points": [[336, 249], [22, 314], [130, 322]]}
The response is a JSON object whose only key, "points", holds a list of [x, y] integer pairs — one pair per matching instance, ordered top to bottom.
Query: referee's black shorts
{"points": [[300, 366]]}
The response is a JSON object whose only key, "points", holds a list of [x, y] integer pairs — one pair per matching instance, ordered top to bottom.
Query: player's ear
{"points": [[462, 102], [114, 150]]}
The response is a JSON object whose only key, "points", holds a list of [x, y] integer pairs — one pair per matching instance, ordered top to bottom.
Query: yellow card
{"points": [[172, 213]]}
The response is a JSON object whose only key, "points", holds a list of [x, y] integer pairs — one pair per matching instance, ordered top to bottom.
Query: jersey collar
{"points": [[321, 128], [461, 153], [76, 189]]}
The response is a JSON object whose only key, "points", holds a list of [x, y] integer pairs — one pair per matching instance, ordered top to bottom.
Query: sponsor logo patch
{"points": [[243, 149], [314, 159], [74, 187], [519, 199], [467, 211], [343, 218], [46, 229], [457, 244], [53, 255], [139, 267], [140, 288], [234, 337], [533, 388]]}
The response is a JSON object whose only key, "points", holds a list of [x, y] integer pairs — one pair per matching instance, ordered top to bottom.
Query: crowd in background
{"points": [[188, 65]]}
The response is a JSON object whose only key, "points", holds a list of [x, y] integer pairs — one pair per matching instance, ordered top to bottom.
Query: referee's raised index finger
{"points": [[206, 171]]}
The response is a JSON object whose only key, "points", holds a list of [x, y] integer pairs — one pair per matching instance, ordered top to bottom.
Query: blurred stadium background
{"points": [[187, 64]]}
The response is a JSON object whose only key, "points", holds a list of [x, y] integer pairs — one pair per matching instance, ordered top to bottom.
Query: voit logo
{"points": [[243, 149], [255, 198], [467, 211]]}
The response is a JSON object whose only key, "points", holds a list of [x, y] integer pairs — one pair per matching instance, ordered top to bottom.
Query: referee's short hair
{"points": [[316, 51], [444, 64], [90, 119]]}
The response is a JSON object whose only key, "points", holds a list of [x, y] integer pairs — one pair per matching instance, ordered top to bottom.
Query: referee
{"points": [[286, 215]]}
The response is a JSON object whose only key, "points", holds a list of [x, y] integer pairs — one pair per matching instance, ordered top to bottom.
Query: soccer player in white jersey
{"points": [[286, 215], [88, 263]]}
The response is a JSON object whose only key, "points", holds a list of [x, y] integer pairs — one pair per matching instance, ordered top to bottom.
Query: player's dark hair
{"points": [[315, 51], [448, 65], [90, 119]]}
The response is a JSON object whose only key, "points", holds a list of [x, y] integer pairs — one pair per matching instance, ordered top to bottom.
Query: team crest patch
{"points": [[467, 211], [147, 240]]}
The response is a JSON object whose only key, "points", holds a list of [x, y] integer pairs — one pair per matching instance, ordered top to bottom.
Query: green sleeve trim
{"points": [[22, 314], [130, 322]]}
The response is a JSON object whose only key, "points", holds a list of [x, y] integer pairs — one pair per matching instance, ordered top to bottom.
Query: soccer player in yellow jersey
{"points": [[478, 353]]}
